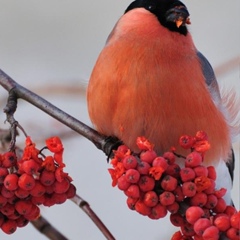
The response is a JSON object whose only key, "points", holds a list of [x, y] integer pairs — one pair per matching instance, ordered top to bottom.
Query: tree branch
{"points": [[102, 142], [87, 209], [44, 227]]}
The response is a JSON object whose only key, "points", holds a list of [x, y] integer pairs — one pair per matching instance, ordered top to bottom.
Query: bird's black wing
{"points": [[207, 70], [212, 84]]}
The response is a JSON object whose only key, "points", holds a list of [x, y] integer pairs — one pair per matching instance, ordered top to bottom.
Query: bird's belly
{"points": [[161, 101]]}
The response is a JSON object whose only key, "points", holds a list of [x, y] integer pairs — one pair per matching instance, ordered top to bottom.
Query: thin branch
{"points": [[10, 110], [102, 142], [87, 209], [44, 227]]}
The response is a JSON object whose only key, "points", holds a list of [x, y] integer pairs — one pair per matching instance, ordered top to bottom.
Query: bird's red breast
{"points": [[148, 82]]}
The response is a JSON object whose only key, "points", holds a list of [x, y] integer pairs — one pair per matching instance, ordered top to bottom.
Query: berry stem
{"points": [[179, 155], [84, 205]]}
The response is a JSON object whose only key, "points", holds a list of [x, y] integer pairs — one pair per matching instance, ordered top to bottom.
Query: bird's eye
{"points": [[151, 7]]}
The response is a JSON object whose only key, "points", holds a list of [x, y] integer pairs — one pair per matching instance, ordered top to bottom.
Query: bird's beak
{"points": [[179, 15]]}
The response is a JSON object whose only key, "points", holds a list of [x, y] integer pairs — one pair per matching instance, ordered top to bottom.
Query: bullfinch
{"points": [[150, 80]]}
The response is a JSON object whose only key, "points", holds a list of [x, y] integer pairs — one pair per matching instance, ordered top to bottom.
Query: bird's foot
{"points": [[111, 143]]}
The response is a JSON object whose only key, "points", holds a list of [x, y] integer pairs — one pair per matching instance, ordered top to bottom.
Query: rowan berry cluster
{"points": [[31, 181], [155, 185]]}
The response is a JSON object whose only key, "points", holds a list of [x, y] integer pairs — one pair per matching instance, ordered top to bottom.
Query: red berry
{"points": [[201, 135], [186, 141], [143, 144], [121, 151], [148, 156], [170, 157], [9, 159], [193, 159], [129, 162], [160, 162], [30, 166], [143, 168], [173, 170], [201, 171], [212, 173], [3, 174], [187, 174], [132, 176], [47, 178], [26, 181], [11, 182], [122, 183], [146, 183], [169, 183], [61, 187], [211, 188], [38, 189], [49, 189], [189, 189], [133, 191], [71, 192], [6, 193], [21, 193], [220, 193], [178, 194], [59, 198], [166, 198], [13, 199], [150, 199], [199, 199], [38, 200], [3, 201], [48, 201], [211, 201], [131, 202], [23, 206], [221, 206], [141, 208], [173, 208], [7, 209], [230, 210], [158, 211], [33, 214], [193, 214], [14, 216], [176, 220], [235, 220], [21, 221], [222, 222], [200, 225], [9, 226], [187, 229], [211, 233], [233, 234], [177, 236]]}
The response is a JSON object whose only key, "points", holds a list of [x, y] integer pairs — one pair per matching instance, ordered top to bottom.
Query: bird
{"points": [[150, 80]]}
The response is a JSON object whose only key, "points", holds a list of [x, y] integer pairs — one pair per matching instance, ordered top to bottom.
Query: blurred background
{"points": [[50, 47]]}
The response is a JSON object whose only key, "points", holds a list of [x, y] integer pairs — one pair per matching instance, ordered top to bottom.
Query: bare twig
{"points": [[10, 110], [87, 209], [44, 227]]}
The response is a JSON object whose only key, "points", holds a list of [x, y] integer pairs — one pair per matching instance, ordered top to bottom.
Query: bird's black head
{"points": [[172, 14]]}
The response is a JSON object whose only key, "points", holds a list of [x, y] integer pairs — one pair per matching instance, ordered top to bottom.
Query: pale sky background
{"points": [[56, 42]]}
